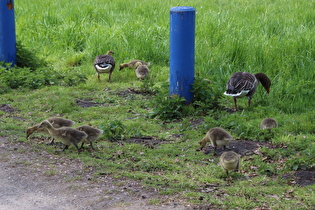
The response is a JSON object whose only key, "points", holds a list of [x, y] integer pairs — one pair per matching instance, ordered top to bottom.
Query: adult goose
{"points": [[104, 64], [245, 84]]}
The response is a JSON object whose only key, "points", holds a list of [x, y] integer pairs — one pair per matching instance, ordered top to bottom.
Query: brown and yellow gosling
{"points": [[132, 64], [142, 71], [56, 122], [268, 123], [93, 134], [66, 135], [217, 137], [230, 161]]}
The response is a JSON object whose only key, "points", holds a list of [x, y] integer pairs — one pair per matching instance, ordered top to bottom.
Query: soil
{"points": [[32, 180]]}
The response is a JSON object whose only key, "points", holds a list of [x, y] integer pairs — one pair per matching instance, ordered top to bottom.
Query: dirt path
{"points": [[33, 180]]}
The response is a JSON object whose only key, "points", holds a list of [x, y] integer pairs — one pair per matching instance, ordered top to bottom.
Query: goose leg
{"points": [[109, 77], [99, 78], [236, 109], [52, 142], [82, 145], [91, 145], [76, 146], [66, 147], [215, 150]]}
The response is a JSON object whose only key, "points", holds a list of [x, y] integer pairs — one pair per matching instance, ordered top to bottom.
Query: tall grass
{"points": [[275, 37]]}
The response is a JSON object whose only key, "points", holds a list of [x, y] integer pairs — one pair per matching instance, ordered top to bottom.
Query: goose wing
{"points": [[241, 84]]}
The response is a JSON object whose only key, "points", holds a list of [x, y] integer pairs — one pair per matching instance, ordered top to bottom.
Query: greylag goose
{"points": [[104, 64], [132, 64], [142, 71], [245, 84], [56, 122], [268, 123], [93, 134], [66, 135], [217, 137], [230, 161]]}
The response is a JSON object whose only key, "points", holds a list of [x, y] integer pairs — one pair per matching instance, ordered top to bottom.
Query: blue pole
{"points": [[7, 32], [182, 51]]}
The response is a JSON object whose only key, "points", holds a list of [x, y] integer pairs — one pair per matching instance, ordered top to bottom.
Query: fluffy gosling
{"points": [[132, 64], [142, 71], [56, 122], [268, 123], [93, 134], [66, 135], [218, 137], [230, 161]]}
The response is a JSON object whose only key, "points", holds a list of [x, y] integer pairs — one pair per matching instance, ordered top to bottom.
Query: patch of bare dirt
{"points": [[88, 103], [7, 108], [147, 141], [242, 147], [301, 178], [32, 180]]}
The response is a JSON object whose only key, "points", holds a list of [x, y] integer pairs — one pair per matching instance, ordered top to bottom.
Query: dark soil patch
{"points": [[131, 91], [128, 92], [89, 103], [7, 108], [196, 123], [149, 141], [242, 147], [301, 178], [304, 178]]}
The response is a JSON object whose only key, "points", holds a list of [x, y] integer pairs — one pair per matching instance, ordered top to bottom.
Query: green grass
{"points": [[274, 37]]}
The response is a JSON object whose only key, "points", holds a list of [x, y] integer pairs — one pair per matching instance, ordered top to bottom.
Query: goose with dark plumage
{"points": [[104, 64], [245, 84]]}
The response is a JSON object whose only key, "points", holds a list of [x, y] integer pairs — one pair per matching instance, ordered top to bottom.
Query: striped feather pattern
{"points": [[241, 84]]}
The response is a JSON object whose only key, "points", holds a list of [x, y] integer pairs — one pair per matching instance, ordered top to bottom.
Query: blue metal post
{"points": [[7, 32], [182, 51]]}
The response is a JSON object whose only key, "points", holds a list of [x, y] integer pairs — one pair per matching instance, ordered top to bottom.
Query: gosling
{"points": [[132, 64], [142, 71], [56, 122], [268, 123], [93, 134], [66, 135], [218, 137], [230, 161]]}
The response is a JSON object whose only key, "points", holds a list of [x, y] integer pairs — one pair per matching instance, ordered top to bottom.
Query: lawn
{"points": [[151, 137]]}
